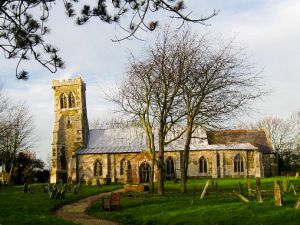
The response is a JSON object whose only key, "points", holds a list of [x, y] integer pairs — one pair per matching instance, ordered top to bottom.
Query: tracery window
{"points": [[72, 100], [63, 101], [238, 164], [202, 165]]}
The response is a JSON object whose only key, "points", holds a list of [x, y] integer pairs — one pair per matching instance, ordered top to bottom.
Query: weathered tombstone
{"points": [[297, 175], [284, 184], [26, 188], [240, 188], [292, 188], [45, 189], [204, 190], [53, 192], [277, 194], [244, 199]]}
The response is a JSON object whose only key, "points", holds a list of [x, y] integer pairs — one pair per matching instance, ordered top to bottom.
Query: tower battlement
{"points": [[75, 81]]}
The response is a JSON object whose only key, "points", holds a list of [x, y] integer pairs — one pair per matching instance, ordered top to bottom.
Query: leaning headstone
{"points": [[297, 175], [284, 184], [26, 188], [292, 188], [204, 190], [53, 192], [258, 192], [277, 194], [243, 198]]}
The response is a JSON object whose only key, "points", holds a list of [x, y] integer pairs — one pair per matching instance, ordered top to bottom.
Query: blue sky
{"points": [[268, 29]]}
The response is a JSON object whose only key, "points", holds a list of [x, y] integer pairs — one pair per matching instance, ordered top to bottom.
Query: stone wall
{"points": [[112, 163]]}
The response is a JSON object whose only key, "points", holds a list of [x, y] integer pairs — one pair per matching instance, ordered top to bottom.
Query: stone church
{"points": [[121, 155]]}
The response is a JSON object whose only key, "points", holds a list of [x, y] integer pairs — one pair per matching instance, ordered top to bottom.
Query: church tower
{"points": [[70, 127]]}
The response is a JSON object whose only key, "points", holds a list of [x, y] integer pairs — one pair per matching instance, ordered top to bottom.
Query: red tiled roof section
{"points": [[258, 138]]}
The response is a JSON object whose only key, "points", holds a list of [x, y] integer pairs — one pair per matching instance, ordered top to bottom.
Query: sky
{"points": [[269, 31]]}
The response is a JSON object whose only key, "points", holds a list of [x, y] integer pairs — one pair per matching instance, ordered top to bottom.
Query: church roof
{"points": [[258, 138], [126, 140]]}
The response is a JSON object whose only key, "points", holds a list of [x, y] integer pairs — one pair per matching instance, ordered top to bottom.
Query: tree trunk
{"points": [[185, 156], [160, 165]]}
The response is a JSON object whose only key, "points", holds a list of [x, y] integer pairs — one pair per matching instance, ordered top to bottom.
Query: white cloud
{"points": [[269, 28]]}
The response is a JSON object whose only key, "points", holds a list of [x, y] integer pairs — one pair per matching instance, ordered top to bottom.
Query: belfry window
{"points": [[72, 100], [63, 101], [238, 164], [202, 165], [97, 168]]}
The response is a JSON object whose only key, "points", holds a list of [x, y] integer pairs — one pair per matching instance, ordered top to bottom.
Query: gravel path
{"points": [[76, 212]]}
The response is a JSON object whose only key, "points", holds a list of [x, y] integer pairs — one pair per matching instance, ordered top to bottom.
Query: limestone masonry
{"points": [[121, 155]]}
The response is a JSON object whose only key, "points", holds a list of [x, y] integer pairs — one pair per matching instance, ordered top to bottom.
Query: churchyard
{"points": [[224, 202], [218, 206]]}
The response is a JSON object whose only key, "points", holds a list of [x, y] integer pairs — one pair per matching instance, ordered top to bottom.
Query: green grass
{"points": [[222, 207], [36, 208]]}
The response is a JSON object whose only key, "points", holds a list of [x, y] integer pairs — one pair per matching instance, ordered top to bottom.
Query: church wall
{"points": [[225, 169]]}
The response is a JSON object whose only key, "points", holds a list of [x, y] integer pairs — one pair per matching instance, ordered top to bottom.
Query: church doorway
{"points": [[144, 172]]}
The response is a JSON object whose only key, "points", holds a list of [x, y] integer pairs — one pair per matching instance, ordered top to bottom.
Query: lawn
{"points": [[218, 207], [36, 208]]}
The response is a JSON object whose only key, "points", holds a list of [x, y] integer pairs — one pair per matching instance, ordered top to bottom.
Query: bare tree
{"points": [[23, 24], [217, 82], [134, 98], [16, 133]]}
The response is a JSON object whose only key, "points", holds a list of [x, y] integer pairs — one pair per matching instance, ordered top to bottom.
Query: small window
{"points": [[72, 100], [63, 101], [122, 163], [238, 164], [202, 165], [97, 168], [170, 170]]}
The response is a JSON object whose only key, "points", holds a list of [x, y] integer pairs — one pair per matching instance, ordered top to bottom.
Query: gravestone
{"points": [[284, 184], [292, 188], [204, 190], [277, 194], [241, 197]]}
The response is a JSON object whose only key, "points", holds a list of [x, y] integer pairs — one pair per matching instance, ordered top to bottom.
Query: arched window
{"points": [[72, 100], [63, 101], [122, 163], [238, 164], [202, 165], [97, 168], [170, 171], [144, 172], [129, 173]]}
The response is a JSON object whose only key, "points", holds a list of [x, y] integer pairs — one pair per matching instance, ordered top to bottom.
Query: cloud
{"points": [[269, 29]]}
